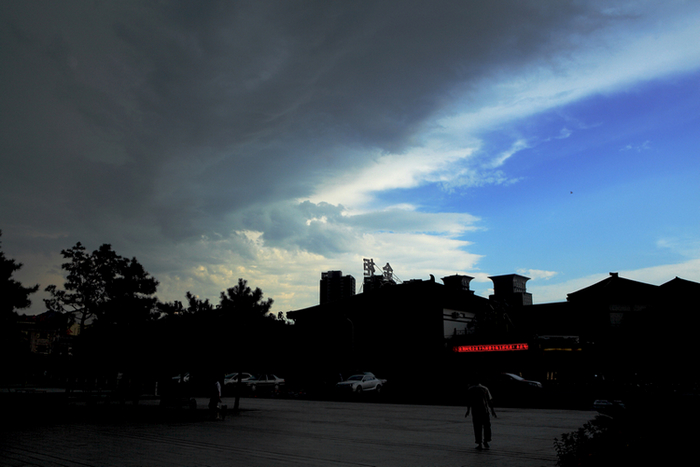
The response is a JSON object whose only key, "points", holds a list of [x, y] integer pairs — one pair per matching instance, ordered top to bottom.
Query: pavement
{"points": [[282, 432]]}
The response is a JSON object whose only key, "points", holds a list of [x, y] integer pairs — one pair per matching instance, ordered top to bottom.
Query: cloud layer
{"points": [[274, 140]]}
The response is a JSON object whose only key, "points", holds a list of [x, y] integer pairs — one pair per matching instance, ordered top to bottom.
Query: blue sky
{"points": [[275, 141], [619, 193]]}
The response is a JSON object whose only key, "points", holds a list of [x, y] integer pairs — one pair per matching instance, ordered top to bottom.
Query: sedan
{"points": [[232, 378], [515, 379], [265, 381], [360, 383], [509, 388]]}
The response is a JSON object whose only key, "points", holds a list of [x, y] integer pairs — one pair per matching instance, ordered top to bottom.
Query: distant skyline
{"points": [[274, 141]]}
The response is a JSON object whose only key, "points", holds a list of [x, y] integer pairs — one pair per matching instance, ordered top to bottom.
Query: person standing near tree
{"points": [[479, 403]]}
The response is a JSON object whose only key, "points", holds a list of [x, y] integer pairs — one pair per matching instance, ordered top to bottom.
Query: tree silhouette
{"points": [[104, 286], [129, 290], [13, 295], [244, 302], [195, 305], [244, 310]]}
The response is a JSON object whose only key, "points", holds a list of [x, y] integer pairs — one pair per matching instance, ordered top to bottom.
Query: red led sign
{"points": [[490, 348]]}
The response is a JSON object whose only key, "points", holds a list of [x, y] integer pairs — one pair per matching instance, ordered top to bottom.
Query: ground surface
{"points": [[274, 432]]}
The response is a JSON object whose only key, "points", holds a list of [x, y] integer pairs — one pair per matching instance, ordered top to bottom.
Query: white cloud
{"points": [[614, 59], [564, 133], [637, 147], [498, 161], [354, 188], [398, 220], [687, 247], [288, 268], [535, 274], [291, 277]]}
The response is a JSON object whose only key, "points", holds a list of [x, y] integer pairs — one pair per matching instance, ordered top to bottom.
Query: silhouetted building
{"points": [[458, 281], [375, 282], [334, 286], [511, 289], [688, 290], [611, 301], [617, 327], [394, 330], [47, 333]]}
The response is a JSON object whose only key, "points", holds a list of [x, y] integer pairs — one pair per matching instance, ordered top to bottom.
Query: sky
{"points": [[272, 141]]}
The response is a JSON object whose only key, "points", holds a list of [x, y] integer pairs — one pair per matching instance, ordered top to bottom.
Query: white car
{"points": [[232, 378], [264, 381], [520, 381], [361, 383]]}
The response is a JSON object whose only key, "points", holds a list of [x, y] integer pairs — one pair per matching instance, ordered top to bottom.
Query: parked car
{"points": [[232, 378], [510, 378], [264, 381], [361, 383], [509, 388]]}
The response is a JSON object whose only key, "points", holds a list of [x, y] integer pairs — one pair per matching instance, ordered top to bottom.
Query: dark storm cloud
{"points": [[144, 122]]}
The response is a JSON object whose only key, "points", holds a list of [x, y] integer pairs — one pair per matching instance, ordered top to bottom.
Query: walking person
{"points": [[215, 400], [479, 403]]}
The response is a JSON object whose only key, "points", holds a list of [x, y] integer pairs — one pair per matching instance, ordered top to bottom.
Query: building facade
{"points": [[334, 287], [617, 327], [391, 330]]}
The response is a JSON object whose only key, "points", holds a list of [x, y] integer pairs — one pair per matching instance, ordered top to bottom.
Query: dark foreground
{"points": [[275, 432]]}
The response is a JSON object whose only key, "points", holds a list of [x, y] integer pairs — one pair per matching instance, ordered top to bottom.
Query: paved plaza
{"points": [[279, 432]]}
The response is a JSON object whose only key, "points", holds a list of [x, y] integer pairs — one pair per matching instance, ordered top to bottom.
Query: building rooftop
{"points": [[615, 289]]}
